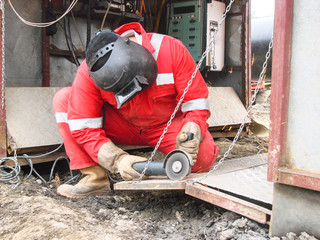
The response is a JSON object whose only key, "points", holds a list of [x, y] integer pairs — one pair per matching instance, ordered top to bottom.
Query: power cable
{"points": [[105, 15], [47, 24], [77, 29], [67, 34], [69, 41], [11, 174]]}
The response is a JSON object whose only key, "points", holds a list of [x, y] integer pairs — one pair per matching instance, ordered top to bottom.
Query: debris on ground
{"points": [[33, 211]]}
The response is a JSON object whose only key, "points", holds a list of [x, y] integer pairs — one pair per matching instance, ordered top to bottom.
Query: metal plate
{"points": [[226, 107], [30, 117], [241, 163], [229, 166], [248, 183], [232, 186]]}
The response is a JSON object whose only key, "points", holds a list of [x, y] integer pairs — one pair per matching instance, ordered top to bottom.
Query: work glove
{"points": [[190, 146], [116, 160]]}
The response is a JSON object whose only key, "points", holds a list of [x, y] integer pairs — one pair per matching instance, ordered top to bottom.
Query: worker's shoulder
{"points": [[167, 39], [83, 77]]}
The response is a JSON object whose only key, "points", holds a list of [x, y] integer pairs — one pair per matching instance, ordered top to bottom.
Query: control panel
{"points": [[185, 22], [195, 23]]}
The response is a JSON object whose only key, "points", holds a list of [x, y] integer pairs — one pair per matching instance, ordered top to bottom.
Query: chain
{"points": [[3, 59], [185, 91], [253, 99]]}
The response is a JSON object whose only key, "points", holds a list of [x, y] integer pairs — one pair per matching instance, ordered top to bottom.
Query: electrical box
{"points": [[194, 22], [186, 23], [215, 57]]}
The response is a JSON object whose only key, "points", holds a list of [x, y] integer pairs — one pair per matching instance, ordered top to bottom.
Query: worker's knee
{"points": [[60, 100], [207, 154]]}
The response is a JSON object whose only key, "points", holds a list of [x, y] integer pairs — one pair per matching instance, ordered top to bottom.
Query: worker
{"points": [[125, 92]]}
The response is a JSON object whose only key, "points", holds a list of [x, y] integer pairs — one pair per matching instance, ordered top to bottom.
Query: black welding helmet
{"points": [[119, 65]]}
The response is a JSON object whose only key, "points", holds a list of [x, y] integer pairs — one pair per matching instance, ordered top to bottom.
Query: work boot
{"points": [[95, 181]]}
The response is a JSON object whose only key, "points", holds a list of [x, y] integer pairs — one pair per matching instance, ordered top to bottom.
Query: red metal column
{"points": [[45, 50], [280, 86], [3, 131]]}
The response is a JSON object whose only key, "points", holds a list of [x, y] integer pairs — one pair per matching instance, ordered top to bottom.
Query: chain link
{"points": [[205, 53], [3, 85], [253, 99]]}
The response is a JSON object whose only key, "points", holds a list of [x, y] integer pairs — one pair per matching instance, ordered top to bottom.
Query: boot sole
{"points": [[95, 192]]}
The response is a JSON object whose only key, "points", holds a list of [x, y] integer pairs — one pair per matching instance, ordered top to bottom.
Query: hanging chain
{"points": [[205, 53], [3, 86], [253, 99]]}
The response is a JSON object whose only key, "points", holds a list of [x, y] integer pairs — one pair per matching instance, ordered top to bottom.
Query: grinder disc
{"points": [[177, 165]]}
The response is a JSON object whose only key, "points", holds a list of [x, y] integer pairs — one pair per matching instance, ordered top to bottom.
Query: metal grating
{"points": [[250, 183]]}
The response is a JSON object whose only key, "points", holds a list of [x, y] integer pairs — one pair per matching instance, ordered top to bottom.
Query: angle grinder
{"points": [[176, 165]]}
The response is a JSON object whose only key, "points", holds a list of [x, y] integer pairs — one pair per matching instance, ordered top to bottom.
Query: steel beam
{"points": [[280, 86], [299, 178], [235, 204]]}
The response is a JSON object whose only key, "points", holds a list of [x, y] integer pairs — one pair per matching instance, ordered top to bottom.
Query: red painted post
{"points": [[281, 57]]}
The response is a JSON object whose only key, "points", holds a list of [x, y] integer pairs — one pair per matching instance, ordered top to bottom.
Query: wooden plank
{"points": [[49, 158], [156, 183], [152, 184], [237, 205]]}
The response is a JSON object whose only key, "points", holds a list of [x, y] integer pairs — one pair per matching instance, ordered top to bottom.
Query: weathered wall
{"points": [[23, 45], [62, 71], [304, 99]]}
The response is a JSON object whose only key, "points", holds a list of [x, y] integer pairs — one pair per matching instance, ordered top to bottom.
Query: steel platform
{"points": [[239, 185]]}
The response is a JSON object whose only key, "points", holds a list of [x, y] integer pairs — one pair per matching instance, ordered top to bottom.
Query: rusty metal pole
{"points": [[45, 50], [246, 54], [280, 86], [3, 128]]}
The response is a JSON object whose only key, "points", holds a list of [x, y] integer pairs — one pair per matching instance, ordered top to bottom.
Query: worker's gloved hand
{"points": [[189, 146], [116, 160], [125, 167]]}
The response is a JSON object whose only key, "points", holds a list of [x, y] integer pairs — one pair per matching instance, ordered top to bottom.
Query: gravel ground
{"points": [[34, 211]]}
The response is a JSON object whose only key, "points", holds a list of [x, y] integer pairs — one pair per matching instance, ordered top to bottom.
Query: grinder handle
{"points": [[190, 136], [154, 168]]}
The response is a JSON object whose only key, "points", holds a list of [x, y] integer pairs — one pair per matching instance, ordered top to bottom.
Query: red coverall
{"points": [[81, 109]]}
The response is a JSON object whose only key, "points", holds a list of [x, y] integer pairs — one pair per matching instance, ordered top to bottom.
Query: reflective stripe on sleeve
{"points": [[156, 41], [165, 78], [197, 104], [61, 117], [78, 124]]}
